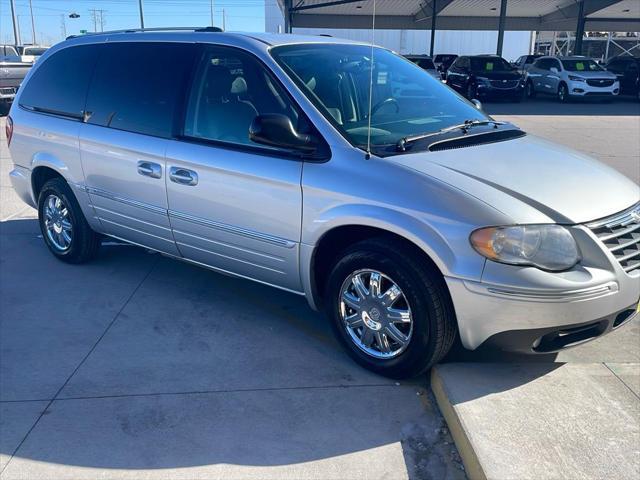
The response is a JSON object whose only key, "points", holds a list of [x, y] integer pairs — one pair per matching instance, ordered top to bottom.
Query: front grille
{"points": [[600, 82], [504, 83], [621, 235]]}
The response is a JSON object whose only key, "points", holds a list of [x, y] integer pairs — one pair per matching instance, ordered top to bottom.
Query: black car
{"points": [[443, 61], [627, 69], [485, 76]]}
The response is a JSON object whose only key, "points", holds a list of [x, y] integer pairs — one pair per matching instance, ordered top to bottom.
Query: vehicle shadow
{"points": [[623, 106], [153, 364]]}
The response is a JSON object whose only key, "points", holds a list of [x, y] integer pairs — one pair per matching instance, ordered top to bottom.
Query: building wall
{"points": [[416, 41]]}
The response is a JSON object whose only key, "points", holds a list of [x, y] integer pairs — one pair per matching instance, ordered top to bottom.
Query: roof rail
{"points": [[153, 29]]}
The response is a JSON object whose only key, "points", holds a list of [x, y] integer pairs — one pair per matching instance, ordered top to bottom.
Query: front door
{"points": [[129, 116], [234, 205]]}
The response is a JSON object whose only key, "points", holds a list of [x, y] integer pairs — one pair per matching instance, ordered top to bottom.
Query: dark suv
{"points": [[627, 69], [485, 76]]}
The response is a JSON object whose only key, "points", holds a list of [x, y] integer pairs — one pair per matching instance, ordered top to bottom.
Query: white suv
{"points": [[570, 77]]}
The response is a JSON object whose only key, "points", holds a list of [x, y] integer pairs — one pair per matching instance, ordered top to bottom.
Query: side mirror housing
{"points": [[553, 69], [276, 130]]}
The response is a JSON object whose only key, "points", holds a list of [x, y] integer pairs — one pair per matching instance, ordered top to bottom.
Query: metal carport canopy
{"points": [[530, 15]]}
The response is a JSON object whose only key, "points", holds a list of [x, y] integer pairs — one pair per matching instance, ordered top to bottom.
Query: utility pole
{"points": [[211, 5], [141, 14], [94, 18], [102, 20], [224, 21], [33, 25], [63, 25], [16, 31]]}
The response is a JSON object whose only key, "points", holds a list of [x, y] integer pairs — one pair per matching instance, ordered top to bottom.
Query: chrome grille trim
{"points": [[620, 234]]}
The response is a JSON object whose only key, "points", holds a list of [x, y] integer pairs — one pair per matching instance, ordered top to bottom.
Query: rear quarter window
{"points": [[59, 84]]}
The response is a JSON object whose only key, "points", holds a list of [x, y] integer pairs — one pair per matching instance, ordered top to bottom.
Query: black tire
{"points": [[530, 90], [472, 91], [563, 93], [84, 243], [434, 321]]}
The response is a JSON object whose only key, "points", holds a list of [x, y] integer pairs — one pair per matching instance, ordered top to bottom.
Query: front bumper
{"points": [[582, 89], [485, 90], [516, 307], [518, 320]]}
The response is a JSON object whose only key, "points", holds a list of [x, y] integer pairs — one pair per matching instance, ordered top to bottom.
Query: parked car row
{"points": [[566, 78]]}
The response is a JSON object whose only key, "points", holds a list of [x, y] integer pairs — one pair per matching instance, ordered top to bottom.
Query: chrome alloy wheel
{"points": [[58, 223], [376, 314]]}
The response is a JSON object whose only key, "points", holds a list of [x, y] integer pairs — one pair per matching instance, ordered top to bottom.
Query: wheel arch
{"points": [[318, 258]]}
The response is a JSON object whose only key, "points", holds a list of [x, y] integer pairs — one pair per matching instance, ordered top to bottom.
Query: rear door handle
{"points": [[149, 169], [183, 176]]}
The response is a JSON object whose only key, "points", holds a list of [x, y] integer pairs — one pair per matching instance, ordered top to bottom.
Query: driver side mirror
{"points": [[553, 69], [477, 103], [276, 130]]}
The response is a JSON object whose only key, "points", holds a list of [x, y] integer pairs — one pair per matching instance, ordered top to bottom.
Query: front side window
{"points": [[35, 51], [490, 64], [586, 65], [59, 85], [136, 86], [229, 90], [405, 100]]}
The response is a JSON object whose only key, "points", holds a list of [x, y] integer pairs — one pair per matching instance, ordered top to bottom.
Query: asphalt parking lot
{"points": [[139, 366]]}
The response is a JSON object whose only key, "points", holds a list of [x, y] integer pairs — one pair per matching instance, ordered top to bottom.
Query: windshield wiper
{"points": [[401, 146]]}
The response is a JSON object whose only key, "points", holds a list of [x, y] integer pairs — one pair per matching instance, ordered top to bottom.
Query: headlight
{"points": [[573, 78], [548, 247]]}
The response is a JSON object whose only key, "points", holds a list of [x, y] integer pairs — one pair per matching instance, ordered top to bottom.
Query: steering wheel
{"points": [[382, 103]]}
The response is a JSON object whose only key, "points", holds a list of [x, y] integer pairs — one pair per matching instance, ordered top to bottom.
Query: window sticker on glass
{"points": [[489, 66], [579, 66], [382, 78]]}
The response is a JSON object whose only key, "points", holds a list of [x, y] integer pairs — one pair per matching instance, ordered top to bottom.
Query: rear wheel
{"points": [[64, 228], [391, 311]]}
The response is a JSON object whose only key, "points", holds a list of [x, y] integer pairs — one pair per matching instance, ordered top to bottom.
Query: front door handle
{"points": [[149, 169], [183, 176]]}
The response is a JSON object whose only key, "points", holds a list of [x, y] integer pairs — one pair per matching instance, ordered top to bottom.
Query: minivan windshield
{"points": [[490, 64], [586, 65], [405, 99]]}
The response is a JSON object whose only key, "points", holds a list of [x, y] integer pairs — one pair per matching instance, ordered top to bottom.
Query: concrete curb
{"points": [[465, 449]]}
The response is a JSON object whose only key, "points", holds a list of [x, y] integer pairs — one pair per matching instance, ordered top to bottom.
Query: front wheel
{"points": [[471, 90], [530, 90], [563, 93], [64, 228], [390, 310]]}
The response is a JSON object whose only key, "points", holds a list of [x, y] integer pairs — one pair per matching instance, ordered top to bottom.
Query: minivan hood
{"points": [[531, 180]]}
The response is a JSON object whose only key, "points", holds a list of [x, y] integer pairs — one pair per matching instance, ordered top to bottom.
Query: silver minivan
{"points": [[333, 170]]}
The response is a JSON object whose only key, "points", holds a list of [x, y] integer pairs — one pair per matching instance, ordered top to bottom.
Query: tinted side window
{"points": [[59, 84], [136, 86], [229, 90]]}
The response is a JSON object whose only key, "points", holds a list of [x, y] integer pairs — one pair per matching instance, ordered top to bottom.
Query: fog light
{"points": [[578, 90]]}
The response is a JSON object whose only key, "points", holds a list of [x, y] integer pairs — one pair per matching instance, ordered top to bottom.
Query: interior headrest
{"points": [[219, 81], [239, 86]]}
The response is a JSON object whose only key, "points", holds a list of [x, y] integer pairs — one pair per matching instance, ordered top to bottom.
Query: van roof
{"points": [[204, 34]]}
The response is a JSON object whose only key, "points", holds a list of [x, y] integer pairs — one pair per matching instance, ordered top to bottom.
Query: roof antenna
{"points": [[373, 39]]}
